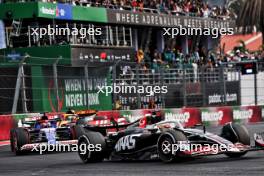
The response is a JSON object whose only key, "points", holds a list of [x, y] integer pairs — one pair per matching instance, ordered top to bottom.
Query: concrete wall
{"points": [[247, 89]]}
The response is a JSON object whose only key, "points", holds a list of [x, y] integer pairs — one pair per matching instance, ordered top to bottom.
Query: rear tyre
{"points": [[81, 121], [77, 131], [236, 133], [18, 138], [12, 140], [165, 143], [91, 147]]}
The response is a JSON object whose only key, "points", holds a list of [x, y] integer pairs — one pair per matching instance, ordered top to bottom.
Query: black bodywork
{"points": [[132, 142]]}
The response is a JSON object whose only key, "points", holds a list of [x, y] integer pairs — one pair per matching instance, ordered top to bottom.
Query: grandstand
{"points": [[54, 71]]}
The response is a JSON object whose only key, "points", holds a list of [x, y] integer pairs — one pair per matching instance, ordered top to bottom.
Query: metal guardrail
{"points": [[110, 35], [189, 85]]}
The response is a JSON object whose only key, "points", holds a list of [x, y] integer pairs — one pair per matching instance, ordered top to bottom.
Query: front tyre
{"points": [[236, 133], [18, 138], [166, 142], [91, 147]]}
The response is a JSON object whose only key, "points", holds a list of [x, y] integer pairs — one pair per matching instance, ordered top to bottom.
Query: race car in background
{"points": [[93, 118], [59, 129], [35, 131], [153, 137]]}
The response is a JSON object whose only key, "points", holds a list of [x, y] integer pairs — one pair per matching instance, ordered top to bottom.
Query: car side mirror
{"points": [[201, 125]]}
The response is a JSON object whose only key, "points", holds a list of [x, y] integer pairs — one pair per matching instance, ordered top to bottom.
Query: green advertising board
{"points": [[18, 10], [47, 10], [52, 11], [65, 11], [89, 14], [74, 92]]}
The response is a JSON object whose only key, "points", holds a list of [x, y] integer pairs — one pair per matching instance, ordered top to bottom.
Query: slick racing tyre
{"points": [[236, 133], [18, 138], [165, 143], [91, 147]]}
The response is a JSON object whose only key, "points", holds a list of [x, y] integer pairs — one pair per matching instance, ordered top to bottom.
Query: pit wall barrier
{"points": [[211, 116]]}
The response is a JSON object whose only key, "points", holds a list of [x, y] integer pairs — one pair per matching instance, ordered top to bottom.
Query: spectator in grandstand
{"points": [[134, 4], [141, 5], [161, 6], [174, 7], [189, 7], [194, 10], [205, 11], [225, 12], [203, 52], [196, 55], [140, 56], [169, 56], [237, 56], [147, 58], [154, 66], [133, 104], [151, 104], [118, 105]]}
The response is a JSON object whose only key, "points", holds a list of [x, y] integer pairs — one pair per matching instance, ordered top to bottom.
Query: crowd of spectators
{"points": [[182, 7], [174, 58]]}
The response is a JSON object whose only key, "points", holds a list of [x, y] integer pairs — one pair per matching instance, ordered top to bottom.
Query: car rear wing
{"points": [[114, 126]]}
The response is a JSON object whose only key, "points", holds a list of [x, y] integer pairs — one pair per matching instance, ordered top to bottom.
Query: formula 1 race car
{"points": [[36, 131], [154, 138]]}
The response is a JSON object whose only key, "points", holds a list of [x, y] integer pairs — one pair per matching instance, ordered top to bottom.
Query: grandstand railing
{"points": [[111, 36], [178, 78], [190, 83]]}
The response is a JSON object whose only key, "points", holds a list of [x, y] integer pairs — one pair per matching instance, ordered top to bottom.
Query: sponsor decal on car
{"points": [[126, 142]]}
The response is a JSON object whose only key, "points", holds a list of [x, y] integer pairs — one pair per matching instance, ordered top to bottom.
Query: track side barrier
{"points": [[247, 114], [187, 116], [215, 116], [6, 123]]}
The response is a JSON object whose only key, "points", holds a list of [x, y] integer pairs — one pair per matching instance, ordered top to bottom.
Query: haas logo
{"points": [[126, 143]]}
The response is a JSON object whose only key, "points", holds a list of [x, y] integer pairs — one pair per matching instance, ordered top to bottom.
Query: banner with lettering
{"points": [[163, 20], [77, 92], [214, 93], [247, 114], [187, 116], [215, 116]]}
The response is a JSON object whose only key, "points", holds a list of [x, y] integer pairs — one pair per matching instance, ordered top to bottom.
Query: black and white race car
{"points": [[152, 137]]}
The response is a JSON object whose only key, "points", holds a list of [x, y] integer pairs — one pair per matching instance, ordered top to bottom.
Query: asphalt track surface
{"points": [[69, 164]]}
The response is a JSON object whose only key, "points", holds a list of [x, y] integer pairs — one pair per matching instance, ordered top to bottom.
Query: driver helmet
{"points": [[70, 111], [156, 116], [44, 121]]}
